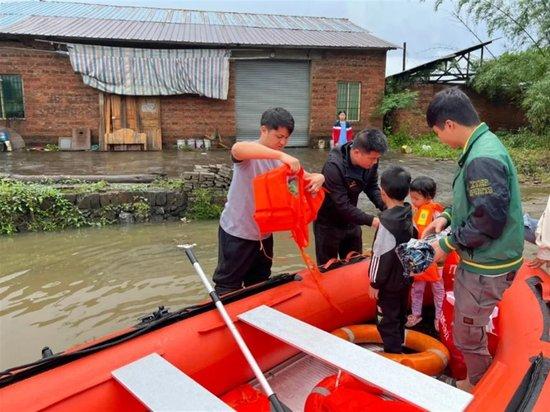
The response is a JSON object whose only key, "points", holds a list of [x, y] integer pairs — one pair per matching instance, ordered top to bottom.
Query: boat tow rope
{"points": [[276, 404]]}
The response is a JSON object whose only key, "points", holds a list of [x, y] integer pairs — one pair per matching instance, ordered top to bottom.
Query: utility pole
{"points": [[404, 54]]}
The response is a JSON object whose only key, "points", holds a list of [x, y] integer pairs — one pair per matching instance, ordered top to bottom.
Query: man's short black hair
{"points": [[451, 104], [278, 117], [370, 140], [395, 181], [424, 185]]}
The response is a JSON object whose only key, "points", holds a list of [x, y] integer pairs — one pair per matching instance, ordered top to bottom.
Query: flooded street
{"points": [[59, 289]]}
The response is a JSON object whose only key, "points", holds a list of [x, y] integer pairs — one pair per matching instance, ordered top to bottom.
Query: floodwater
{"points": [[60, 289]]}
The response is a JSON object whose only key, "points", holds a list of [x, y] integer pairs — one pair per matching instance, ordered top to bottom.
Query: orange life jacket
{"points": [[283, 203], [424, 215], [345, 393]]}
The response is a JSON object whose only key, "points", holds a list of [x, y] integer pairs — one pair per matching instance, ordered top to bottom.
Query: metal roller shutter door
{"points": [[261, 84]]}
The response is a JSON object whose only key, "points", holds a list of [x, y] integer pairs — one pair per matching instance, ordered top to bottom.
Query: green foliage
{"points": [[525, 22], [523, 77], [395, 100], [537, 103], [427, 145], [50, 147], [530, 151], [171, 184], [82, 188], [202, 205], [35, 207], [141, 209], [107, 215]]}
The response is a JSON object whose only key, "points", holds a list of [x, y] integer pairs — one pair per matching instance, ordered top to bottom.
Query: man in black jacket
{"points": [[349, 170]]}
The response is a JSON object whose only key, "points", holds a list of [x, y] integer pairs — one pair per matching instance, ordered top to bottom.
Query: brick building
{"points": [[312, 66], [458, 70]]}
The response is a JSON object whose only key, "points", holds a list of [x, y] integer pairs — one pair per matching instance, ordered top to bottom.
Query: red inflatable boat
{"points": [[197, 342]]}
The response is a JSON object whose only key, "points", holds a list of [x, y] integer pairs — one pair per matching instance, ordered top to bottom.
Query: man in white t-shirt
{"points": [[245, 257]]}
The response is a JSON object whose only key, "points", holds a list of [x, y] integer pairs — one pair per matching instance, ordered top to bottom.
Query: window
{"points": [[11, 97], [348, 99]]}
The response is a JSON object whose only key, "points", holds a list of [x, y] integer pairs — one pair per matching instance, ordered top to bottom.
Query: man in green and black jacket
{"points": [[486, 224]]}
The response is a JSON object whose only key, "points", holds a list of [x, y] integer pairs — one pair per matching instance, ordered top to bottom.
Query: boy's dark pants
{"points": [[333, 242], [241, 261], [475, 298], [391, 318]]}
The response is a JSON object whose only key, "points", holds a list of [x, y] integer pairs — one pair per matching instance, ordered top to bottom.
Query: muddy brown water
{"points": [[60, 289]]}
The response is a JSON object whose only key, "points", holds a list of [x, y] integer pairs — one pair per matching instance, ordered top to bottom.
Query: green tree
{"points": [[525, 22], [521, 75]]}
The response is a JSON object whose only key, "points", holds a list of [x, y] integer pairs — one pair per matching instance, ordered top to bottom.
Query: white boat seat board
{"points": [[400, 381], [160, 386]]}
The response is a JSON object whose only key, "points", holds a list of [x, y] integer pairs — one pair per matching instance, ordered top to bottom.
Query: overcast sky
{"points": [[429, 34]]}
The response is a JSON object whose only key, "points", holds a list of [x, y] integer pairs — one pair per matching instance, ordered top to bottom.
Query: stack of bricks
{"points": [[216, 177]]}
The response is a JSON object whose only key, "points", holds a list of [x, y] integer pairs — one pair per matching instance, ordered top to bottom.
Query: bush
{"points": [[522, 77], [395, 100], [427, 145], [530, 151], [202, 205], [35, 207]]}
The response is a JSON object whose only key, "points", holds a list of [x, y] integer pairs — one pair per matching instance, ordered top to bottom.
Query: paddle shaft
{"points": [[277, 406]]}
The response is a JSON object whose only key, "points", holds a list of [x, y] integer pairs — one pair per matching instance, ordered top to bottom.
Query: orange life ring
{"points": [[431, 357], [345, 393]]}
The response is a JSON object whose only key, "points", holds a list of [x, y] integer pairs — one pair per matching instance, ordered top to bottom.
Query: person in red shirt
{"points": [[341, 131], [422, 194]]}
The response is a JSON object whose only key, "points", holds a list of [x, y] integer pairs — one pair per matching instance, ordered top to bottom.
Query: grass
{"points": [[529, 151]]}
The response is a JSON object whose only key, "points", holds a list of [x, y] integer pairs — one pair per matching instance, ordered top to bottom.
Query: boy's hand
{"points": [[292, 162], [315, 181], [375, 223], [437, 225], [373, 293]]}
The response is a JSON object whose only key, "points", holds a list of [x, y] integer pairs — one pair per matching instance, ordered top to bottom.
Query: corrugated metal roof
{"points": [[148, 14], [92, 21]]}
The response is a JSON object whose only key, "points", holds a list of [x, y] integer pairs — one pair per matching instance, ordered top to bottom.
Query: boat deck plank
{"points": [[400, 381], [160, 386]]}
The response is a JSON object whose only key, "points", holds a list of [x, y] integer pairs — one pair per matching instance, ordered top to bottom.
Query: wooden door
{"points": [[141, 114], [149, 119]]}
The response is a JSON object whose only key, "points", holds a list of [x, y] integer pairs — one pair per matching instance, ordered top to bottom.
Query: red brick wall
{"points": [[365, 67], [55, 98], [498, 115], [194, 116]]}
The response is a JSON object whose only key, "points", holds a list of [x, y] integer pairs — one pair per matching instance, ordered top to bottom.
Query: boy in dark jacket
{"points": [[349, 170], [389, 283]]}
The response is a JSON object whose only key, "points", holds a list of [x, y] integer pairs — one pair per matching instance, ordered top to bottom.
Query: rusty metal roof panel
{"points": [[103, 22]]}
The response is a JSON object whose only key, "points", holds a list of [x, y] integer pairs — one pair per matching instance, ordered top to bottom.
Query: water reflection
{"points": [[59, 289]]}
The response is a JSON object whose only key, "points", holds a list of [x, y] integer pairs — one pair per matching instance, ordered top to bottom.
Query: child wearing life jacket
{"points": [[422, 193]]}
